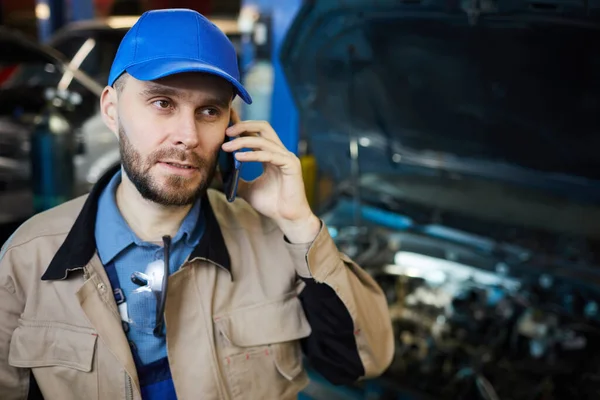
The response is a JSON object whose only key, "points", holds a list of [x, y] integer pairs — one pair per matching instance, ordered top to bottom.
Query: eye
{"points": [[162, 104], [210, 112]]}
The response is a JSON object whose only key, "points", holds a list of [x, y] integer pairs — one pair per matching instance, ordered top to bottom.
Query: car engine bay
{"points": [[482, 315]]}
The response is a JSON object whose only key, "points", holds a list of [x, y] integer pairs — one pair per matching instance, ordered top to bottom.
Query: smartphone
{"points": [[230, 171]]}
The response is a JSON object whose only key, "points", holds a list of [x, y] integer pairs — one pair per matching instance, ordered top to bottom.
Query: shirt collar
{"points": [[192, 226], [113, 234], [80, 244]]}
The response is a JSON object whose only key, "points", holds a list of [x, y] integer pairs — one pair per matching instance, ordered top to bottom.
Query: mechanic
{"points": [[252, 284]]}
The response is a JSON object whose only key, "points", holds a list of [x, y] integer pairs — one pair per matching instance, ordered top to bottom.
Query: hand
{"points": [[279, 192]]}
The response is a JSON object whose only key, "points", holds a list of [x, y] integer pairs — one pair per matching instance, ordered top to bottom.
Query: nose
{"points": [[186, 132]]}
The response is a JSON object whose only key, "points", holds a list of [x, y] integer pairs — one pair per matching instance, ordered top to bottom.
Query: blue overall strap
{"points": [[111, 271], [120, 299]]}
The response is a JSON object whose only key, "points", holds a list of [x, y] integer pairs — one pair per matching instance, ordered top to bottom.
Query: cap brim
{"points": [[159, 68]]}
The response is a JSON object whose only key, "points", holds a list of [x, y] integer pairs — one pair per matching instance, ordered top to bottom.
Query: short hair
{"points": [[119, 83]]}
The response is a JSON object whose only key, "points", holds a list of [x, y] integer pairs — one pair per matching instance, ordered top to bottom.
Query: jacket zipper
{"points": [[128, 387]]}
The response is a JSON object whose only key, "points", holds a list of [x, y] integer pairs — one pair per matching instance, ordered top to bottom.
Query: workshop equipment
{"points": [[53, 148]]}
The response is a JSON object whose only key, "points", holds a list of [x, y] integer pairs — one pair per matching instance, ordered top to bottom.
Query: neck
{"points": [[148, 220]]}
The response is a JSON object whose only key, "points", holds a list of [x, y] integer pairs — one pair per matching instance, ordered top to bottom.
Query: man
{"points": [[252, 285]]}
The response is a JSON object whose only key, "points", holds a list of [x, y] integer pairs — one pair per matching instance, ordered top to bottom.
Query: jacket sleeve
{"points": [[352, 336], [14, 382]]}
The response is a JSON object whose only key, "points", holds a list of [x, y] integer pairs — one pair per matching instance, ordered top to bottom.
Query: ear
{"points": [[108, 108], [233, 115]]}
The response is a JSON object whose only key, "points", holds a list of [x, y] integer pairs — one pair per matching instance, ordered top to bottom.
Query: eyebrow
{"points": [[153, 89], [220, 102]]}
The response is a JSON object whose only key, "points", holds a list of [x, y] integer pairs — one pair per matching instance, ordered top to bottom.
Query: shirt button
{"points": [[101, 287]]}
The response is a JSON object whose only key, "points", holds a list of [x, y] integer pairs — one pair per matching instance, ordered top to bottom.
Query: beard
{"points": [[178, 190]]}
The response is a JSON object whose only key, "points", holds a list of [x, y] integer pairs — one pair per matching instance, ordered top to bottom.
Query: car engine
{"points": [[480, 321]]}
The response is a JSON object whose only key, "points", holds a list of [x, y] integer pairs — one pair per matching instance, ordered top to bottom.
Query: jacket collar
{"points": [[80, 244]]}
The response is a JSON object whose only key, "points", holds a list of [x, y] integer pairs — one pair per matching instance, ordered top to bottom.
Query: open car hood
{"points": [[508, 90]]}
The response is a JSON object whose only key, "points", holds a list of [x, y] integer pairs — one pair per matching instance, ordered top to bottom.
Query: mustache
{"points": [[177, 154]]}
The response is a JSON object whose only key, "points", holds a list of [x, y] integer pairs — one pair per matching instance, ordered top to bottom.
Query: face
{"points": [[170, 133]]}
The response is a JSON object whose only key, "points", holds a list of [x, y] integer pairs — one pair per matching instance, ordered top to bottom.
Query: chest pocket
{"points": [[260, 349], [60, 356]]}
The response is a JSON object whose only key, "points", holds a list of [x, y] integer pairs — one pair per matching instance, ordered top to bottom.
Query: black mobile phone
{"points": [[230, 169]]}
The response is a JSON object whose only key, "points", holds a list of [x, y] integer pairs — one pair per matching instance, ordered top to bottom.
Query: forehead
{"points": [[191, 85]]}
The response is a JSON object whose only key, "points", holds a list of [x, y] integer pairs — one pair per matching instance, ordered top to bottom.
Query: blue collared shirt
{"points": [[118, 244]]}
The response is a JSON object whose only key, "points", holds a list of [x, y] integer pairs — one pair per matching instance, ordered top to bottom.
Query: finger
{"points": [[263, 128], [253, 142], [284, 162]]}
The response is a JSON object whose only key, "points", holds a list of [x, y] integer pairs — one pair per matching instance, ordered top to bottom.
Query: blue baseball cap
{"points": [[172, 41]]}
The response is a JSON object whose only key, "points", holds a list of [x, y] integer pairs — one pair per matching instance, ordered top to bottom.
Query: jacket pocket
{"points": [[260, 349], [60, 356]]}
